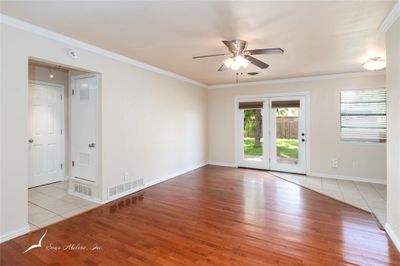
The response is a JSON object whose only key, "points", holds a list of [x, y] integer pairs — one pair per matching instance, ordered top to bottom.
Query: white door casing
{"points": [[84, 126], [45, 133]]}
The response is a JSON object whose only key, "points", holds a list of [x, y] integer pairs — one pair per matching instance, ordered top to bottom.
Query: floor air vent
{"points": [[125, 188], [82, 189]]}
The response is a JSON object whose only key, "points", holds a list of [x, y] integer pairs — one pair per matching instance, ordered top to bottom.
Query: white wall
{"points": [[324, 122], [152, 125], [393, 150]]}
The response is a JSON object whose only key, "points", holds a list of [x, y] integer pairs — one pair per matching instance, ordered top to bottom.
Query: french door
{"points": [[272, 134]]}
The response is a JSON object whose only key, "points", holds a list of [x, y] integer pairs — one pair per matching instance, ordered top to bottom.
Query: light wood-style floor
{"points": [[212, 216]]}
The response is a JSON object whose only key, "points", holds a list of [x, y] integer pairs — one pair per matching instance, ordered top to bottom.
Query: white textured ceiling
{"points": [[319, 37]]}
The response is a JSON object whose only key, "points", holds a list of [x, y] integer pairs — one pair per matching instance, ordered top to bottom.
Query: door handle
{"points": [[30, 140], [92, 145]]}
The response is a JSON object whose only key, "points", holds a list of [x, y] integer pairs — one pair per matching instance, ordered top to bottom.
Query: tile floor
{"points": [[368, 196], [52, 203]]}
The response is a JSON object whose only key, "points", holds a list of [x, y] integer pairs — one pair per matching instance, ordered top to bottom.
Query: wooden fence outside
{"points": [[287, 127]]}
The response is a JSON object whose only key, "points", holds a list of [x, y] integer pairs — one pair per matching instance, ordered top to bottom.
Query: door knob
{"points": [[30, 140], [91, 145]]}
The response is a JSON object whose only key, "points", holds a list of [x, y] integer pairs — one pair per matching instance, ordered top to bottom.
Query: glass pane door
{"points": [[288, 134], [252, 135]]}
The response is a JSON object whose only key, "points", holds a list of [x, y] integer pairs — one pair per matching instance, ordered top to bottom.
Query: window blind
{"points": [[251, 105], [363, 115]]}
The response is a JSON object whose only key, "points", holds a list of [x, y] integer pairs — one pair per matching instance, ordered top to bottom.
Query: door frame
{"points": [[72, 79], [265, 97], [62, 127]]}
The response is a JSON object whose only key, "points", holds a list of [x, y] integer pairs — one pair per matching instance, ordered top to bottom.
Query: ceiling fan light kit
{"points": [[240, 57], [236, 62], [374, 64]]}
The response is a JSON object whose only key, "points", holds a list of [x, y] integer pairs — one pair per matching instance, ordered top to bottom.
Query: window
{"points": [[363, 115]]}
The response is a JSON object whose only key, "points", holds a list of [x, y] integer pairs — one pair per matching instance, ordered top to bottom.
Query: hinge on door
{"points": [[73, 92], [61, 97], [61, 131], [73, 163], [61, 166]]}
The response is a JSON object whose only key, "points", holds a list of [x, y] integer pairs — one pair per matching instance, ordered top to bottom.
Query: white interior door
{"points": [[84, 126], [252, 134], [288, 134], [46, 141]]}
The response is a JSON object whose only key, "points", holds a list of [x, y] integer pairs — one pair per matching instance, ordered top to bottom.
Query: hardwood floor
{"points": [[212, 216]]}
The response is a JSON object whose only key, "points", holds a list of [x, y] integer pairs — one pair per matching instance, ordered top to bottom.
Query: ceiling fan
{"points": [[239, 57]]}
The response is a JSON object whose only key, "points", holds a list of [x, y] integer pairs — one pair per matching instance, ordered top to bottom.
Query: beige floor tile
{"points": [[315, 181], [330, 184], [62, 185], [347, 186], [314, 187], [51, 191], [336, 194], [353, 194], [367, 196], [39, 198], [71, 199], [48, 203], [357, 203], [376, 203], [67, 207], [33, 209], [80, 210], [40, 216], [381, 218], [49, 221], [32, 227]]}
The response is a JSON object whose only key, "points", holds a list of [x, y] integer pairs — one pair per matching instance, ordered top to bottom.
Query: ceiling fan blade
{"points": [[266, 51], [204, 56], [257, 62], [222, 68]]}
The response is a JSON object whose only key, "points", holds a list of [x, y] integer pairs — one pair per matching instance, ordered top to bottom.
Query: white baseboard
{"points": [[222, 164], [165, 178], [349, 178], [155, 182], [14, 233], [393, 236]]}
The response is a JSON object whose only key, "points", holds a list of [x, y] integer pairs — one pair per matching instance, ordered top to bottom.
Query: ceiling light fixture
{"points": [[236, 63], [374, 64], [51, 74]]}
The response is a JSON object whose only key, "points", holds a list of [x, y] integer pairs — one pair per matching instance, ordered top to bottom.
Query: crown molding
{"points": [[390, 18], [23, 25], [299, 79]]}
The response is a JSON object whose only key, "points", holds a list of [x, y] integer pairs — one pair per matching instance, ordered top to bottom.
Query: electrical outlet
{"points": [[335, 163], [355, 164]]}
